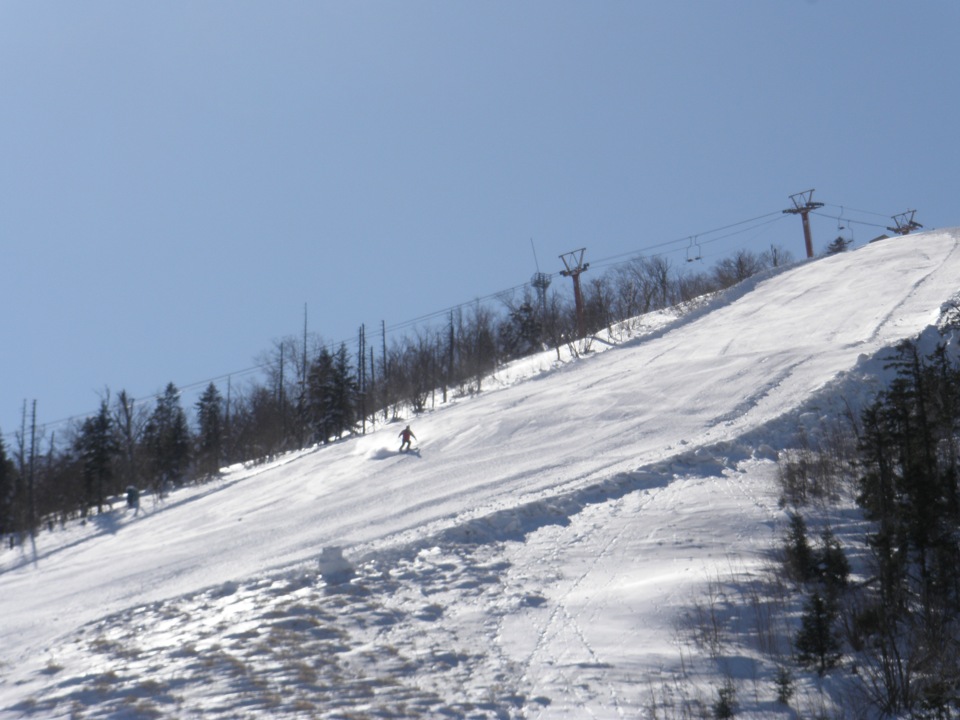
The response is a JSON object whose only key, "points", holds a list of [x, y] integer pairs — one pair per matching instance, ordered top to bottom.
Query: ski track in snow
{"points": [[532, 563]]}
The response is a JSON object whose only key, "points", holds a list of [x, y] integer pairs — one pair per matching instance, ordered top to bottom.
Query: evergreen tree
{"points": [[839, 245], [520, 335], [344, 393], [332, 394], [320, 396], [210, 436], [167, 440], [97, 447], [909, 484], [908, 487], [879, 497], [799, 555], [832, 565], [818, 643], [785, 685]]}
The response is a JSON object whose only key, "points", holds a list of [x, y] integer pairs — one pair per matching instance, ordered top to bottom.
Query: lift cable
{"points": [[848, 220], [680, 243]]}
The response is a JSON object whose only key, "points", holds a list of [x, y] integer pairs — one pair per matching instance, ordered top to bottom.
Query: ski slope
{"points": [[531, 562]]}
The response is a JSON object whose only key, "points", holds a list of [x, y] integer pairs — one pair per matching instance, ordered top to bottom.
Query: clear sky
{"points": [[178, 180]]}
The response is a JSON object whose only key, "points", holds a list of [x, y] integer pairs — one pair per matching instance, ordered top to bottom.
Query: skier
{"points": [[406, 434], [133, 499]]}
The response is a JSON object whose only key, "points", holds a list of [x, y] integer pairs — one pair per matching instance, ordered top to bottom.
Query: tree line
{"points": [[313, 393], [894, 631]]}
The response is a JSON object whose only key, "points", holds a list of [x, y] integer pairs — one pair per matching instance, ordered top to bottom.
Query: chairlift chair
{"points": [[844, 231]]}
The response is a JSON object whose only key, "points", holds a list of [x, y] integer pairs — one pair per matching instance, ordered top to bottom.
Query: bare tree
{"points": [[743, 264], [642, 285], [598, 304], [129, 420]]}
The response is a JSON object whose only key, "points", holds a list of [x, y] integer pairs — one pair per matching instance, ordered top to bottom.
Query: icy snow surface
{"points": [[534, 560]]}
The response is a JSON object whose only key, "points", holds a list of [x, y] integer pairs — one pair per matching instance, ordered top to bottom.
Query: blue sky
{"points": [[179, 179]]}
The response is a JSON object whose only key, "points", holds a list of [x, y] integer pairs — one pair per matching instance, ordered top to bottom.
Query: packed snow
{"points": [[545, 554]]}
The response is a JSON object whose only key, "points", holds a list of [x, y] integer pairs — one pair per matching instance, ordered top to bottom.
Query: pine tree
{"points": [[838, 246], [520, 335], [320, 382], [344, 390], [332, 394], [210, 434], [167, 440], [97, 447], [909, 484], [909, 488], [880, 498], [799, 555], [832, 565], [818, 644], [785, 685]]}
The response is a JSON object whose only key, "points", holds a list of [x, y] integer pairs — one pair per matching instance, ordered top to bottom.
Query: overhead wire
{"points": [[846, 208], [862, 212], [847, 220], [703, 238], [682, 243], [602, 262], [605, 262], [425, 318]]}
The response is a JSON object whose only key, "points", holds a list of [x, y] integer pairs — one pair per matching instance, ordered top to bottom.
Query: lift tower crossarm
{"points": [[802, 205], [904, 223]]}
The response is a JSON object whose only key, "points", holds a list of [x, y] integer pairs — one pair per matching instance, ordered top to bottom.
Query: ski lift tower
{"points": [[802, 205], [904, 223], [573, 262], [540, 282]]}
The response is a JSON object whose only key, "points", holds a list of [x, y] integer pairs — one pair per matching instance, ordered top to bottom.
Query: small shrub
{"points": [[784, 684], [725, 706]]}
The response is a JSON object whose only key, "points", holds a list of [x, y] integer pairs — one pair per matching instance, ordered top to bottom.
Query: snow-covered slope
{"points": [[532, 561]]}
